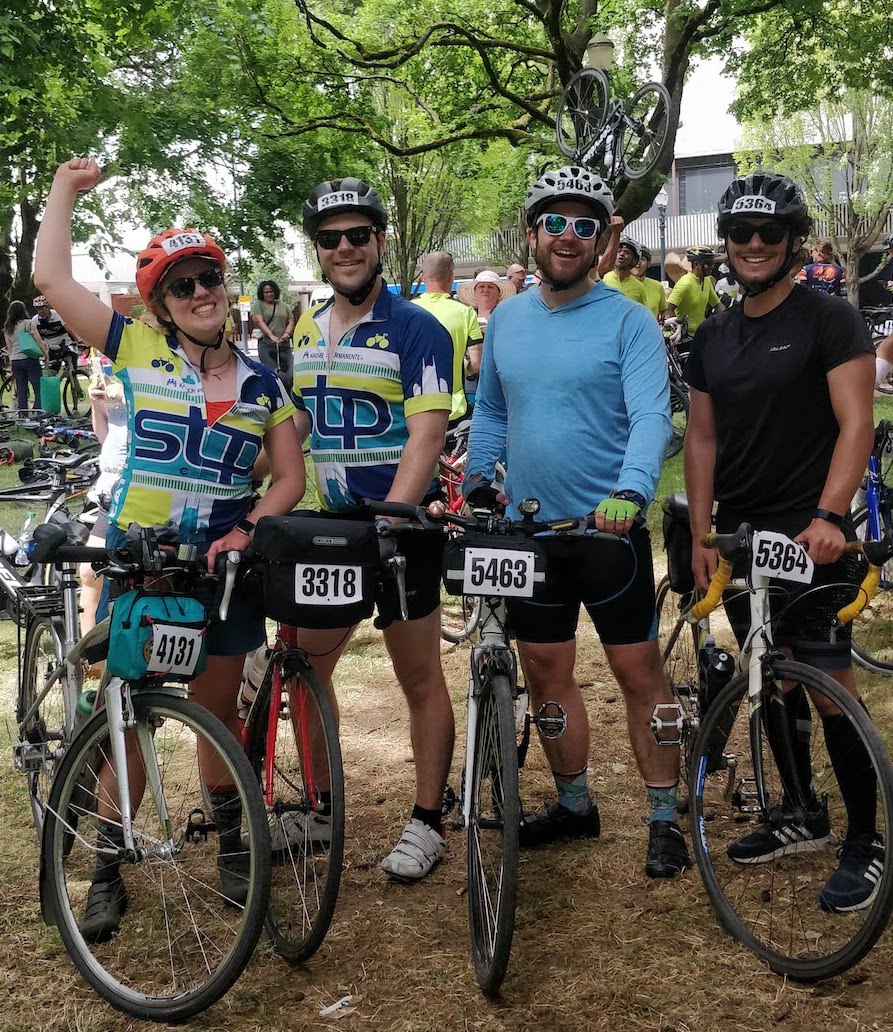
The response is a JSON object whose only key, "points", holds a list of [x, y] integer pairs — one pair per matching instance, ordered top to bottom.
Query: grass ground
{"points": [[598, 946]]}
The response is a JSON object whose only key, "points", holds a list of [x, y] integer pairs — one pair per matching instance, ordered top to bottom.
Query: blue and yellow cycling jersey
{"points": [[397, 361], [178, 468]]}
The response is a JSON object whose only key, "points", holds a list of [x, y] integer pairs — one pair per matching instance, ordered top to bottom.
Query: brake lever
{"points": [[233, 558]]}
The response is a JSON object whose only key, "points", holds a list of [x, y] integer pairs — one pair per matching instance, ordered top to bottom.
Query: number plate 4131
{"points": [[775, 555]]}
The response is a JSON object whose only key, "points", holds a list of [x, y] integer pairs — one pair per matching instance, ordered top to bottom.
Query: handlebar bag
{"points": [[677, 542], [493, 565], [319, 572], [155, 634]]}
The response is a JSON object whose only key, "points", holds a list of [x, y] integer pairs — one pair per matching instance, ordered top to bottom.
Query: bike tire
{"points": [[581, 111], [646, 127], [7, 392], [76, 393], [679, 402], [460, 616], [872, 640], [681, 660], [47, 730], [493, 830], [306, 870], [773, 907], [178, 948]]}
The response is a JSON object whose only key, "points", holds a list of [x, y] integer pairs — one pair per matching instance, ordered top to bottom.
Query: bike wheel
{"points": [[581, 111], [646, 125], [7, 392], [76, 393], [679, 401], [459, 616], [872, 642], [680, 658], [44, 735], [305, 805], [494, 822], [772, 905], [182, 942]]}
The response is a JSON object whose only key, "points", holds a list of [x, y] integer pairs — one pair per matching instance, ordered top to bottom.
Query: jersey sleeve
{"points": [[679, 293], [713, 297], [473, 328], [843, 335], [128, 341], [426, 364], [694, 367]]}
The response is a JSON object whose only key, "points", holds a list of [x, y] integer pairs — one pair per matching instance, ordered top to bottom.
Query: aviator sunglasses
{"points": [[555, 225], [768, 232], [357, 236], [185, 285]]}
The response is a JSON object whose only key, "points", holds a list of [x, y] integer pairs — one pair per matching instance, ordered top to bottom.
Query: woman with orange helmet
{"points": [[198, 414]]}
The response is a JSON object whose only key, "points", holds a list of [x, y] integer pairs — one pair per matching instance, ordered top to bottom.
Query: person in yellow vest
{"points": [[621, 276], [694, 293], [655, 297], [460, 321]]}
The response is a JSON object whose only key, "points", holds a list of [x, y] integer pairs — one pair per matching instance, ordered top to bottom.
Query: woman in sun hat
{"points": [[483, 294]]}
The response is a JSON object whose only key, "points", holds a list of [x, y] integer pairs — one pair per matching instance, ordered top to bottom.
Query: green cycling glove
{"points": [[622, 506]]}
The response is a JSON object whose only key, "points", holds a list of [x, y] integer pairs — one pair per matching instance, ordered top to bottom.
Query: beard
{"points": [[567, 277]]}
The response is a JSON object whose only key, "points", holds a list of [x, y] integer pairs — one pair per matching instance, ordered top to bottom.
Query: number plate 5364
{"points": [[775, 555]]}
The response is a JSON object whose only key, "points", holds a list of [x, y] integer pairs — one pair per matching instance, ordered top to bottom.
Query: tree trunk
{"points": [[851, 263], [23, 284]]}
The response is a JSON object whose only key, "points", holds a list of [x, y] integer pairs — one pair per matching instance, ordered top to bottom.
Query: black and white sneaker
{"points": [[767, 843], [854, 884]]}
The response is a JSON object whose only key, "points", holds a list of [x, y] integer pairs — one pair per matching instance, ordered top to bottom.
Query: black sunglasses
{"points": [[768, 232], [357, 236], [185, 285]]}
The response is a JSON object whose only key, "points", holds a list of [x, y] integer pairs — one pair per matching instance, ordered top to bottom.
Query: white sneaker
{"points": [[295, 830], [419, 849]]}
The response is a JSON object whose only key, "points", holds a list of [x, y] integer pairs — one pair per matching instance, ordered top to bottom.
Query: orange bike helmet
{"points": [[165, 250]]}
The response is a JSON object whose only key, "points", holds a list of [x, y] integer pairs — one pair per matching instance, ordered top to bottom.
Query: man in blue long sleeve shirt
{"points": [[574, 385]]}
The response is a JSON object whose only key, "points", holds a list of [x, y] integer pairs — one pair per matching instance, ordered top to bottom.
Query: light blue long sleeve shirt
{"points": [[578, 395]]}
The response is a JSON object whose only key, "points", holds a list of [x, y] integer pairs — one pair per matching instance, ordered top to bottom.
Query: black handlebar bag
{"points": [[678, 543], [492, 565], [319, 571]]}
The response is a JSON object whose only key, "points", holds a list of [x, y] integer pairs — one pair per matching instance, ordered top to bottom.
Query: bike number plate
{"points": [[775, 555], [498, 571], [328, 585], [175, 650]]}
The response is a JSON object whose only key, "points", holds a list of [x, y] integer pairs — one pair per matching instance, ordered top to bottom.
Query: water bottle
{"points": [[26, 545], [255, 670], [715, 670], [84, 709]]}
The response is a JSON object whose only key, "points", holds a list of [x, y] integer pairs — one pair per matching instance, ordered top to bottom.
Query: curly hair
{"points": [[272, 284]]}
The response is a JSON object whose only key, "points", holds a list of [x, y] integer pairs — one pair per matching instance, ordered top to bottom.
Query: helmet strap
{"points": [[761, 288], [358, 296], [203, 344]]}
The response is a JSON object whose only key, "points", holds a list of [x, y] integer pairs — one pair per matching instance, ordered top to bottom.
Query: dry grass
{"points": [[597, 946]]}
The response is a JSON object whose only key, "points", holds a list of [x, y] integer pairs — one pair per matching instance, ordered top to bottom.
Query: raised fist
{"points": [[81, 174]]}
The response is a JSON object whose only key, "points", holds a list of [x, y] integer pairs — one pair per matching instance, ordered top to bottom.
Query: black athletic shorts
{"points": [[423, 551], [614, 580], [805, 628]]}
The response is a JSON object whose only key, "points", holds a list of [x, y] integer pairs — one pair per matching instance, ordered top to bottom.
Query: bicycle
{"points": [[600, 132], [879, 321], [75, 382], [679, 392], [872, 521], [494, 558], [290, 733], [758, 762], [129, 791]]}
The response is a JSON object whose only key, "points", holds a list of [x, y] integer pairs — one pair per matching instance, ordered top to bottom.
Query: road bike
{"points": [[602, 133], [679, 391], [493, 558], [761, 760], [132, 789]]}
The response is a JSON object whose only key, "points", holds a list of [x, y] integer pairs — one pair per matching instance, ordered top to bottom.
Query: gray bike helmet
{"points": [[570, 183], [339, 195], [764, 195], [887, 244], [633, 245]]}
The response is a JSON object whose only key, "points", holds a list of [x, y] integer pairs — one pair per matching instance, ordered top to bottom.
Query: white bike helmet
{"points": [[571, 183]]}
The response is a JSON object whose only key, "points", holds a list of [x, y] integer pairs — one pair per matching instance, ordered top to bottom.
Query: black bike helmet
{"points": [[571, 183], [339, 195], [764, 195], [771, 196], [700, 253]]}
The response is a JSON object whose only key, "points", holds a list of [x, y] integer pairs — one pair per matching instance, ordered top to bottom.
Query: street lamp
{"points": [[599, 52], [661, 201]]}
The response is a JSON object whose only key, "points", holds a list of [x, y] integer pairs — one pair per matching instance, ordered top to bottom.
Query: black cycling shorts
{"points": [[423, 551], [614, 580], [805, 628]]}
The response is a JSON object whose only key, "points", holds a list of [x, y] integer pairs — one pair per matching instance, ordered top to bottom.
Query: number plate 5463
{"points": [[498, 571]]}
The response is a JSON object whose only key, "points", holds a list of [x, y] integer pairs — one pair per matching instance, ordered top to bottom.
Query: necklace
{"points": [[223, 367]]}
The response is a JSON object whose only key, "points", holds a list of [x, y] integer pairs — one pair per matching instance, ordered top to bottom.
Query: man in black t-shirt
{"points": [[779, 433]]}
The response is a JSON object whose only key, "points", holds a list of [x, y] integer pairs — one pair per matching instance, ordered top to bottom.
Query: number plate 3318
{"points": [[775, 555], [498, 571]]}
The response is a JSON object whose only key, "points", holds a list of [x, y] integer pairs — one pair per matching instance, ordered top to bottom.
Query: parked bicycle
{"points": [[604, 134], [679, 390], [761, 760], [132, 790]]}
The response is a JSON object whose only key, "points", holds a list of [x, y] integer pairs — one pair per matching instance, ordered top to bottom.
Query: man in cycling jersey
{"points": [[622, 277], [694, 293], [655, 297], [50, 326], [373, 378], [574, 384], [779, 432]]}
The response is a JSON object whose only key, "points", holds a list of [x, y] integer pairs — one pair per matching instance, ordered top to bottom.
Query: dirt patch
{"points": [[597, 946]]}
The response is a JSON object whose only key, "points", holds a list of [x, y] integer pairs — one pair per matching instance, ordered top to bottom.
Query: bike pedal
{"points": [[551, 720], [669, 724], [745, 797]]}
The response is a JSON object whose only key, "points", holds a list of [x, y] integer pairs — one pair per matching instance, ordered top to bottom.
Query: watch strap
{"points": [[830, 517], [246, 526]]}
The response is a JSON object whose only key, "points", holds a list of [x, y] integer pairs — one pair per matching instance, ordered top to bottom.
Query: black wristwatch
{"points": [[631, 496], [830, 517], [247, 527]]}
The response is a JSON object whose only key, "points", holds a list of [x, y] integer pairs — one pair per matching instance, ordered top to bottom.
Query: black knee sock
{"points": [[800, 718], [855, 774], [228, 817], [433, 818], [109, 835]]}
